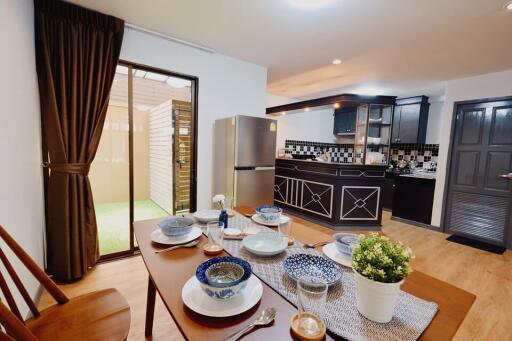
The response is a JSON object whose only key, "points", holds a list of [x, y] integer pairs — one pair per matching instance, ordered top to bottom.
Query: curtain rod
{"points": [[170, 38]]}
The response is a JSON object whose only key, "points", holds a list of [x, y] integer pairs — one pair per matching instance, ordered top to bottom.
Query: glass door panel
{"points": [[109, 173]]}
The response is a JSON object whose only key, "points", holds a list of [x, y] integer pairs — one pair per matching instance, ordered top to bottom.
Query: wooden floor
{"points": [[487, 275]]}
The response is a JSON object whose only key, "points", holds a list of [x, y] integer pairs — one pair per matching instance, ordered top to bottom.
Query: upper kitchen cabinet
{"points": [[345, 120], [410, 120]]}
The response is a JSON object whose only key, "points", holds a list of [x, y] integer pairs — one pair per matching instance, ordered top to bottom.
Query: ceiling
{"points": [[388, 47]]}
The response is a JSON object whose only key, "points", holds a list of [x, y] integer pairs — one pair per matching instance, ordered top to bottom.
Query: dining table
{"points": [[169, 271]]}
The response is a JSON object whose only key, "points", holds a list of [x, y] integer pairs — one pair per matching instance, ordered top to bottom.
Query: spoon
{"points": [[192, 243], [266, 316]]}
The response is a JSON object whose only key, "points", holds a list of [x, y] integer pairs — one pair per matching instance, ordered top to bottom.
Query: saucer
{"points": [[283, 219], [158, 237], [332, 252], [196, 299]]}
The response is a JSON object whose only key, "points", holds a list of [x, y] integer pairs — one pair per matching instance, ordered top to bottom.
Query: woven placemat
{"points": [[412, 314]]}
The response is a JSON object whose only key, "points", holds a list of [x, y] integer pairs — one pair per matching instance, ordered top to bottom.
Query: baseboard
{"points": [[417, 223]]}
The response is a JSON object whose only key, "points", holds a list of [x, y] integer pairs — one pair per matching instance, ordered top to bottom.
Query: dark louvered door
{"points": [[480, 187]]}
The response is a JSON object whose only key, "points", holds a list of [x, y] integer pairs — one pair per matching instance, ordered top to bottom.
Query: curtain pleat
{"points": [[77, 51]]}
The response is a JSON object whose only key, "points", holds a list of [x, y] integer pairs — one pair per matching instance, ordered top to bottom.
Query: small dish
{"points": [[269, 213], [205, 216], [283, 219], [175, 226], [230, 231], [345, 242], [265, 244], [331, 251], [312, 268], [225, 280], [299, 334]]}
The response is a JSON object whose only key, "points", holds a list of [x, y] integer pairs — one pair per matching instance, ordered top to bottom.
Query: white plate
{"points": [[205, 216], [260, 221], [158, 237], [265, 244], [332, 252], [196, 299]]}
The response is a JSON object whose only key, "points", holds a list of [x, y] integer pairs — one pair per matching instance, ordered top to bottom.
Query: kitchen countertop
{"points": [[341, 164], [421, 175]]}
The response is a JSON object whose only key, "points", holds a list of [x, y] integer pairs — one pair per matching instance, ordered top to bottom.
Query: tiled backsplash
{"points": [[419, 152], [344, 153]]}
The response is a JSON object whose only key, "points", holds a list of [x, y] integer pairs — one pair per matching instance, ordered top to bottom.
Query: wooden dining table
{"points": [[169, 271]]}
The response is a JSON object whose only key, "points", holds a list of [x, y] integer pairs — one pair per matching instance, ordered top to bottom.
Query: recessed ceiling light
{"points": [[508, 6], [336, 61], [336, 105], [306, 109], [283, 113]]}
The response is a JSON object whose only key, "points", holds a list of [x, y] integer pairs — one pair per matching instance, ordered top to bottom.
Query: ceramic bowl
{"points": [[268, 213], [205, 216], [176, 226], [344, 242], [265, 244], [312, 268], [223, 277]]}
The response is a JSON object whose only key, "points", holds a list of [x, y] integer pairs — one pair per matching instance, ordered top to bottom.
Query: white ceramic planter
{"points": [[375, 300]]}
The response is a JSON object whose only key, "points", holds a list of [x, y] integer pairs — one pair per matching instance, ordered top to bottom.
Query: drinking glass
{"points": [[285, 230], [215, 233], [312, 297]]}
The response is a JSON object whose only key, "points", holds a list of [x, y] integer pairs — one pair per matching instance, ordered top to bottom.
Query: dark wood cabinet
{"points": [[345, 120], [410, 120], [388, 191], [413, 199]]}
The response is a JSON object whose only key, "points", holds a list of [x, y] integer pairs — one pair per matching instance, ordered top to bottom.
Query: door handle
{"points": [[506, 176]]}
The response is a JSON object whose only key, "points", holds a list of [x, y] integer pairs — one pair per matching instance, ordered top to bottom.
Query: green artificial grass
{"points": [[114, 222]]}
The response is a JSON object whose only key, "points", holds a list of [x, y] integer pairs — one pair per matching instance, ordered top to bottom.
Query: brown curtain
{"points": [[77, 51]]}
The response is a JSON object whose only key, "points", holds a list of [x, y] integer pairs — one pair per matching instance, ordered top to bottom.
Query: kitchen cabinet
{"points": [[345, 120], [410, 120], [388, 191], [413, 199]]}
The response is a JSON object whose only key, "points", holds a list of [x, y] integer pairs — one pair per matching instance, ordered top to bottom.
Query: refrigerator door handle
{"points": [[264, 168]]}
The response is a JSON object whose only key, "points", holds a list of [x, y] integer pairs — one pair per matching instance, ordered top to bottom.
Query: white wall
{"points": [[484, 86], [227, 87], [434, 120], [315, 126], [21, 198]]}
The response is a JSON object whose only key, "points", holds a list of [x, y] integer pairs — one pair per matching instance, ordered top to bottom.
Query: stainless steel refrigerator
{"points": [[244, 159]]}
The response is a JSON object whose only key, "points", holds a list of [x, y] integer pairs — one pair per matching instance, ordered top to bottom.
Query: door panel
{"points": [[472, 125], [501, 127], [395, 134], [256, 141], [498, 163], [468, 168], [254, 187], [478, 199]]}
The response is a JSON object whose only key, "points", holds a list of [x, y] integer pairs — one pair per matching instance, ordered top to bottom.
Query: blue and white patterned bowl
{"points": [[268, 213], [176, 226], [345, 242], [312, 269], [223, 277]]}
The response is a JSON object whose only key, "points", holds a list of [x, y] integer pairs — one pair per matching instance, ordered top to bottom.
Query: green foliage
{"points": [[381, 260]]}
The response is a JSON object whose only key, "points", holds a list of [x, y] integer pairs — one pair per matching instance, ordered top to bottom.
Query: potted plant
{"points": [[380, 267]]}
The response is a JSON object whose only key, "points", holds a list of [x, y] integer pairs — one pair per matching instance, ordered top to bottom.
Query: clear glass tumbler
{"points": [[285, 230], [215, 233], [312, 298]]}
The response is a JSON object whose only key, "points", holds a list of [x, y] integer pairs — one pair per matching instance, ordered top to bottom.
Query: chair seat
{"points": [[101, 315]]}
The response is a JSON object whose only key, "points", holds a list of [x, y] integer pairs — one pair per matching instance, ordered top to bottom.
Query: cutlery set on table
{"points": [[227, 286]]}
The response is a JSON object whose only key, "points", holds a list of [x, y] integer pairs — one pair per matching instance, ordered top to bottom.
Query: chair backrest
{"points": [[11, 319]]}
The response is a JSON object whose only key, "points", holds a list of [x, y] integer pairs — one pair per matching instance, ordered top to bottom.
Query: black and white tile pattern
{"points": [[421, 153]]}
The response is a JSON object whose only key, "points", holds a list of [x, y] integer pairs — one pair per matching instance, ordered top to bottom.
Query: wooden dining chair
{"points": [[100, 315]]}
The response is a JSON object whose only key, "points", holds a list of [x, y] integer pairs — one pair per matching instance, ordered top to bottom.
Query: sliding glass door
{"points": [[145, 164]]}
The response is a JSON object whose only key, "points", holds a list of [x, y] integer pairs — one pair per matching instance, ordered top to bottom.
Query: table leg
{"points": [[150, 307]]}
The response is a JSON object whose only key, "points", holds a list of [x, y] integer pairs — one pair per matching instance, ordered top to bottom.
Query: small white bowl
{"points": [[265, 244]]}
